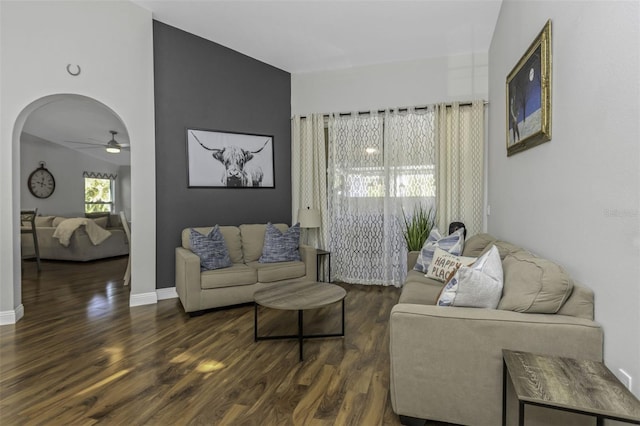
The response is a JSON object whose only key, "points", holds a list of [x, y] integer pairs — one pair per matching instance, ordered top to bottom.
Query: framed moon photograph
{"points": [[528, 100], [229, 160]]}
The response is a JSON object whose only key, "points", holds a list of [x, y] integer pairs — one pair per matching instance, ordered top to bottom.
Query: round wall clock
{"points": [[41, 182]]}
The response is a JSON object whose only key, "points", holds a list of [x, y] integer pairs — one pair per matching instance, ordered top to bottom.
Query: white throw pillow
{"points": [[453, 244], [445, 263], [476, 286]]}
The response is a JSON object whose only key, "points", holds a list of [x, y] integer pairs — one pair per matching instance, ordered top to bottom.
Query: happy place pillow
{"points": [[453, 244], [280, 246], [211, 249], [444, 264], [475, 286]]}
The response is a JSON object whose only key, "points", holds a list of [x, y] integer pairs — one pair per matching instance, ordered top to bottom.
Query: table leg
{"points": [[36, 248], [343, 317], [300, 333], [504, 393], [520, 413], [599, 421]]}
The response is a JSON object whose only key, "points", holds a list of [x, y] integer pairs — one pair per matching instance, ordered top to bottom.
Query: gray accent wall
{"points": [[201, 84]]}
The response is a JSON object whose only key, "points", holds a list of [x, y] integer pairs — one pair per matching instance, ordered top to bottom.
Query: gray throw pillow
{"points": [[279, 246], [210, 248], [476, 286]]}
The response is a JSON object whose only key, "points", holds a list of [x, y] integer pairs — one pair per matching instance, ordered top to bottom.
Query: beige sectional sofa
{"points": [[80, 247], [201, 290], [446, 362]]}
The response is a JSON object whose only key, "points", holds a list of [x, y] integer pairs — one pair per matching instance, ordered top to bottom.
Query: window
{"points": [[410, 181], [98, 193]]}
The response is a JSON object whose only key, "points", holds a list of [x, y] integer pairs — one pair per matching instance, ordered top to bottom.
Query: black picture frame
{"points": [[528, 96], [223, 159]]}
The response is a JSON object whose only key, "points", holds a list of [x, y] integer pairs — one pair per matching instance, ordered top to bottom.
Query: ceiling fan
{"points": [[112, 147]]}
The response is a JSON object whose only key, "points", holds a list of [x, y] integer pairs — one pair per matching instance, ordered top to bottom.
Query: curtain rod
{"points": [[404, 109]]}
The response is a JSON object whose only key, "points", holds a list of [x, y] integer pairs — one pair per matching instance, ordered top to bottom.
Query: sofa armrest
{"points": [[308, 256], [412, 258], [188, 279], [457, 353]]}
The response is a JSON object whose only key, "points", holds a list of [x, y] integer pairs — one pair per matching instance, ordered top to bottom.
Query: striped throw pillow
{"points": [[453, 243]]}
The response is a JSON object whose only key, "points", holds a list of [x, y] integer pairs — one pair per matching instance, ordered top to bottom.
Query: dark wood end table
{"points": [[320, 255], [578, 386]]}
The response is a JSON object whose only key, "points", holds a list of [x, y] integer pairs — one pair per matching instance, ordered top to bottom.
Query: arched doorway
{"points": [[94, 120]]}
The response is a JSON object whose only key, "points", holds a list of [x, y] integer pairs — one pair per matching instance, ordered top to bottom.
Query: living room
{"points": [[559, 199]]}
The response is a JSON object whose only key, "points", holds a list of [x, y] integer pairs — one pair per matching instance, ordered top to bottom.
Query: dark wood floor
{"points": [[82, 356]]}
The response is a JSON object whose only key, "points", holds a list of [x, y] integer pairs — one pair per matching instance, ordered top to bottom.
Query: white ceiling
{"points": [[304, 35], [296, 36], [80, 119]]}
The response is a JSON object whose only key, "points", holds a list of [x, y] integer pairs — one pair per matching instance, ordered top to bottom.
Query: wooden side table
{"points": [[323, 254], [298, 297], [578, 386]]}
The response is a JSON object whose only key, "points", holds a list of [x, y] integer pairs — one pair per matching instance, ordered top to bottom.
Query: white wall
{"points": [[113, 44], [400, 84], [67, 166], [123, 191], [575, 199]]}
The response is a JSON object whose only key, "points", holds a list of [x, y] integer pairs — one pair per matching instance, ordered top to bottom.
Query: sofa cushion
{"points": [[102, 219], [57, 220], [44, 221], [115, 221], [231, 236], [253, 239], [453, 244], [281, 246], [475, 246], [210, 248], [504, 248], [444, 264], [271, 272], [236, 275], [533, 284], [476, 286], [424, 292]]}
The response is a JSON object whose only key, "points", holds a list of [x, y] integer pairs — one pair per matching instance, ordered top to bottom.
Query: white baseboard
{"points": [[167, 293], [143, 299], [12, 317]]}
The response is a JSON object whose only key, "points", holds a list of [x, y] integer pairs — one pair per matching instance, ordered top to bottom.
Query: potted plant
{"points": [[418, 226]]}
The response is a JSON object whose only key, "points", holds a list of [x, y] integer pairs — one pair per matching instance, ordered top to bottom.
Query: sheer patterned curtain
{"points": [[460, 146], [378, 165], [309, 172]]}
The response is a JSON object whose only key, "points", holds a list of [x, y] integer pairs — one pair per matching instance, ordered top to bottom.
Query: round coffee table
{"points": [[298, 297]]}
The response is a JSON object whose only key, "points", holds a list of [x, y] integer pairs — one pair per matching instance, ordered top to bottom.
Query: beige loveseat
{"points": [[80, 247], [200, 290], [446, 362]]}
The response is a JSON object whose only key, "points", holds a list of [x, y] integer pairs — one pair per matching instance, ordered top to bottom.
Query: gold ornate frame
{"points": [[529, 86]]}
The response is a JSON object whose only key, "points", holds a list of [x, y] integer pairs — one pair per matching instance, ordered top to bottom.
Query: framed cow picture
{"points": [[229, 160]]}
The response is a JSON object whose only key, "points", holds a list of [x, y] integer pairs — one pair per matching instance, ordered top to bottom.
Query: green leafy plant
{"points": [[418, 226]]}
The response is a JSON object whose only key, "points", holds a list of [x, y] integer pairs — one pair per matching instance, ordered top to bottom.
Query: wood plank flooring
{"points": [[82, 356]]}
